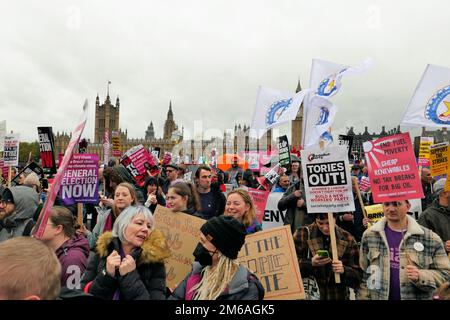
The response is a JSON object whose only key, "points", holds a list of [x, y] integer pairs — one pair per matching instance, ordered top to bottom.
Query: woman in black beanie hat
{"points": [[216, 275]]}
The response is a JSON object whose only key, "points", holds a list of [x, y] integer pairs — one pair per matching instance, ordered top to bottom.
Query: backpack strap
{"points": [[29, 226]]}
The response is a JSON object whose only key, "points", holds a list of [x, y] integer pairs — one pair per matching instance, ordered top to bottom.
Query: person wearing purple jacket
{"points": [[71, 249]]}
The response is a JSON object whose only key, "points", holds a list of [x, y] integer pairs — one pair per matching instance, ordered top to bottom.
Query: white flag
{"points": [[325, 79], [430, 104], [273, 108], [321, 113], [2, 134]]}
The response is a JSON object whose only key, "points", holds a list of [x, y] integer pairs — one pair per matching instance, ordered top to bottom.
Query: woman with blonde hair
{"points": [[124, 196], [240, 206], [216, 275]]}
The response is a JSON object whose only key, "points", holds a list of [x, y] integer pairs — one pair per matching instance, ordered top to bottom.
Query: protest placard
{"points": [[2, 134], [115, 139], [106, 147], [47, 149], [11, 150], [424, 151], [284, 153], [252, 158], [439, 159], [137, 161], [31, 167], [392, 168], [80, 180], [364, 184], [328, 185], [259, 200], [45, 212], [374, 213], [273, 217], [182, 233], [271, 256]]}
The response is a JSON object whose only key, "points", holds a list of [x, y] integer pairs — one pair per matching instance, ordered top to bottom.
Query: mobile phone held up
{"points": [[323, 253]]}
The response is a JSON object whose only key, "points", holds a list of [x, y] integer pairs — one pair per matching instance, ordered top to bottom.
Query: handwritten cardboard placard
{"points": [[182, 232], [271, 256]]}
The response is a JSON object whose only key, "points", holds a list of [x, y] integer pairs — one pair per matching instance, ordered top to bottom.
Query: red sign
{"points": [[137, 161], [392, 168], [259, 200], [45, 212]]}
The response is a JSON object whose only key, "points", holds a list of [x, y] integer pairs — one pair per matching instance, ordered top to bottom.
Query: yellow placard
{"points": [[424, 148], [439, 159], [374, 213], [182, 232], [271, 256]]}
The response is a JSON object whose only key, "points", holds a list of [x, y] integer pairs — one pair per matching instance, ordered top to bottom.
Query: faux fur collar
{"points": [[154, 249]]}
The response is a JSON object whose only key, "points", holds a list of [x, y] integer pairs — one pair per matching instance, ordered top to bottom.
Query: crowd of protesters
{"points": [[118, 253]]}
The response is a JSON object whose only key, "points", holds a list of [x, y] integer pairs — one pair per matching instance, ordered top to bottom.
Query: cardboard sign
{"points": [[115, 139], [346, 141], [47, 149], [11, 150], [424, 151], [284, 153], [439, 159], [137, 161], [392, 169], [80, 180], [328, 184], [259, 200], [46, 210], [374, 213], [273, 217], [182, 233], [271, 256]]}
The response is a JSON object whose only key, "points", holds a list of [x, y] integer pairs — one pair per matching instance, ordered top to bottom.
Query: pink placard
{"points": [[392, 168], [259, 200]]}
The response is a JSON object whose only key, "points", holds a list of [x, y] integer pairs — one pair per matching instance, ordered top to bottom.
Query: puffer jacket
{"points": [[26, 201], [431, 260], [146, 282], [244, 285]]}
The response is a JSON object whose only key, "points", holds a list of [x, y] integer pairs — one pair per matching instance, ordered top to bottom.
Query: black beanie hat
{"points": [[7, 195], [226, 234]]}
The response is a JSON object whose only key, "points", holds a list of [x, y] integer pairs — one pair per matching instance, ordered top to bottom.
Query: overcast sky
{"points": [[208, 57]]}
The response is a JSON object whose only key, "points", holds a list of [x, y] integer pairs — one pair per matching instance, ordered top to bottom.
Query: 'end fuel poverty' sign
{"points": [[392, 168], [80, 181], [328, 185]]}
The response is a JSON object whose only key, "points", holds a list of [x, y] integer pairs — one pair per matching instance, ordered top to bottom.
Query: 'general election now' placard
{"points": [[392, 168], [80, 181]]}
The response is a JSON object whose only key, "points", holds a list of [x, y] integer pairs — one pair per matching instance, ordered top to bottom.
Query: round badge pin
{"points": [[418, 246]]}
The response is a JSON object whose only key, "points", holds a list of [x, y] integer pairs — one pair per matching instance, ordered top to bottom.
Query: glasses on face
{"points": [[5, 202], [393, 203]]}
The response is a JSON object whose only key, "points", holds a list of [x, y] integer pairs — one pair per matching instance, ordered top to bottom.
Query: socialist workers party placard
{"points": [[47, 149], [137, 161], [392, 168], [328, 185]]}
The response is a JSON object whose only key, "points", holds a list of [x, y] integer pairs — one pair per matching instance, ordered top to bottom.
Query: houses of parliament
{"points": [[107, 117]]}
